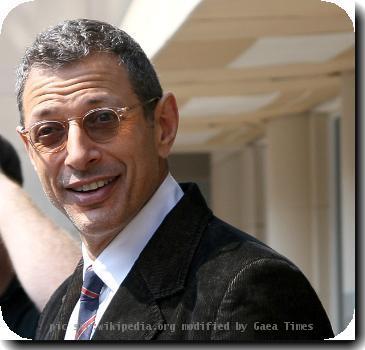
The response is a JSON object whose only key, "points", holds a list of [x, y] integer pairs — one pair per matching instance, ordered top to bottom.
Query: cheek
{"points": [[137, 144], [146, 156], [47, 173], [46, 181]]}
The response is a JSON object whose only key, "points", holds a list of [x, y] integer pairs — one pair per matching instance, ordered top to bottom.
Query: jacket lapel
{"points": [[165, 261], [159, 272], [132, 314], [58, 328]]}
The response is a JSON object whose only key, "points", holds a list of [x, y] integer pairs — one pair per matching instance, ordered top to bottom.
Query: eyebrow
{"points": [[93, 101], [90, 102], [44, 113]]}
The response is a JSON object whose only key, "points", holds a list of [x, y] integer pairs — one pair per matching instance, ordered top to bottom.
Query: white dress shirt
{"points": [[116, 260]]}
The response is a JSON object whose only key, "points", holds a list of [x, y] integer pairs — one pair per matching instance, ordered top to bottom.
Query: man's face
{"points": [[127, 169]]}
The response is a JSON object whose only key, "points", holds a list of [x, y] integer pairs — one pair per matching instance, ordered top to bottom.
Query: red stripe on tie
{"points": [[89, 293], [84, 327]]}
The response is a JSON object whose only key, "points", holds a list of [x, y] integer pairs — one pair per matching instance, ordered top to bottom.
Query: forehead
{"points": [[99, 77]]}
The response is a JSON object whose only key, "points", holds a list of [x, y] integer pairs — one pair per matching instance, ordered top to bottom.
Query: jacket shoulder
{"points": [[220, 239], [253, 284]]}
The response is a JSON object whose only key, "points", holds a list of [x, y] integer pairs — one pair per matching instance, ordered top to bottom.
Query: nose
{"points": [[82, 152]]}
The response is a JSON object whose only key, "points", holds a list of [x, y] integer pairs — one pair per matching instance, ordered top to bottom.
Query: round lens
{"points": [[101, 124], [47, 136]]}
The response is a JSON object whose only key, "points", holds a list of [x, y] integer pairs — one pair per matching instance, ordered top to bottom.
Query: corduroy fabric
{"points": [[200, 279]]}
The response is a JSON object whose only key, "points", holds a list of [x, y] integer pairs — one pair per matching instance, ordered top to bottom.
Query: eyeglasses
{"points": [[100, 125]]}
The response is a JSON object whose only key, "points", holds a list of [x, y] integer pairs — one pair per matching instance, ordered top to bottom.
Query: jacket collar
{"points": [[165, 261]]}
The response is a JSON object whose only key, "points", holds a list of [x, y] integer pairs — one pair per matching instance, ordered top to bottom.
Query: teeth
{"points": [[93, 186]]}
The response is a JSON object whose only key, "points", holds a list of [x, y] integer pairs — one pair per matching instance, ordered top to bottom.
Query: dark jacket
{"points": [[199, 278]]}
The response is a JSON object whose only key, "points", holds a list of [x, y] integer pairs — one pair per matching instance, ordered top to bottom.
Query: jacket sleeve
{"points": [[270, 299]]}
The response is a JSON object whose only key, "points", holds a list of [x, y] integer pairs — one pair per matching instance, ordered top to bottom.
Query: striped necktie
{"points": [[89, 303]]}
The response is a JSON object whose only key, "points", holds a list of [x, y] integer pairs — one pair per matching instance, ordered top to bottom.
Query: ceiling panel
{"points": [[213, 9], [256, 27], [294, 49], [200, 54], [346, 56], [222, 74], [263, 86], [220, 105]]}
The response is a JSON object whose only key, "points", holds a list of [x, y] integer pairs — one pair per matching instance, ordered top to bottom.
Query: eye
{"points": [[105, 117], [102, 119], [46, 130], [47, 133]]}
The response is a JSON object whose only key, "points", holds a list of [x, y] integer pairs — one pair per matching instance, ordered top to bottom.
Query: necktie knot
{"points": [[92, 285]]}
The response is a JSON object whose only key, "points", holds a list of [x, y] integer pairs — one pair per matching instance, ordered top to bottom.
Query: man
{"points": [[41, 254], [156, 263]]}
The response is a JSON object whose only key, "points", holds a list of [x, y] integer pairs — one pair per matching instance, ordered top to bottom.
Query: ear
{"points": [[166, 124], [28, 147]]}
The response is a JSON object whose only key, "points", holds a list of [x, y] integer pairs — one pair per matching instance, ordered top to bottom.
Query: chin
{"points": [[89, 225]]}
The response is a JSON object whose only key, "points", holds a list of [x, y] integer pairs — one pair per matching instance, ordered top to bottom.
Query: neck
{"points": [[96, 243], [95, 247]]}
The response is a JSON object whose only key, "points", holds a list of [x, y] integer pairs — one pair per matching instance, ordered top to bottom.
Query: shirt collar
{"points": [[116, 260]]}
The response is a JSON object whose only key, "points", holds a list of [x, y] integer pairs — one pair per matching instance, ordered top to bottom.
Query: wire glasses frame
{"points": [[100, 125]]}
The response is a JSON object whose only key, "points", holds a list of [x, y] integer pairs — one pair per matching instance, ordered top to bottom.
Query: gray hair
{"points": [[73, 40]]}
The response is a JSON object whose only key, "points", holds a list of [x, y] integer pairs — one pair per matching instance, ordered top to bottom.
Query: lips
{"points": [[92, 186], [91, 193]]}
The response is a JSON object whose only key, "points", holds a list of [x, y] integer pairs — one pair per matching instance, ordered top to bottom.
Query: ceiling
{"points": [[234, 65]]}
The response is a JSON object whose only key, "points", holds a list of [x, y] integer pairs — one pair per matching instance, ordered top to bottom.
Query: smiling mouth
{"points": [[94, 185]]}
